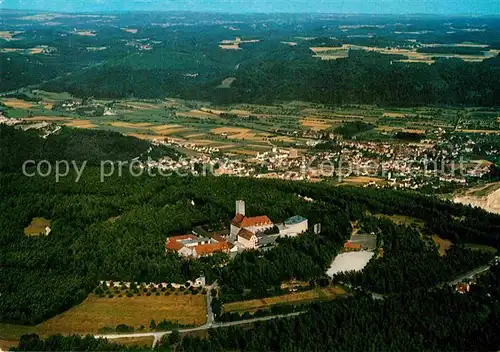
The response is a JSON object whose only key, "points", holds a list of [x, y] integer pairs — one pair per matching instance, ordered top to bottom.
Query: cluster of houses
{"points": [[245, 233], [196, 246]]}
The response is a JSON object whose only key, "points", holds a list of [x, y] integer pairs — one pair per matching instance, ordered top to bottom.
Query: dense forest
{"points": [[169, 57], [292, 74], [91, 146], [439, 319]]}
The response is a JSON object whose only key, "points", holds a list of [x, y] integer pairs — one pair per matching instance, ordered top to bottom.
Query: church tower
{"points": [[240, 207]]}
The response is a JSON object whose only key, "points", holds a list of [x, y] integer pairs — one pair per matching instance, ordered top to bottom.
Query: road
{"points": [[469, 275], [210, 324], [158, 335]]}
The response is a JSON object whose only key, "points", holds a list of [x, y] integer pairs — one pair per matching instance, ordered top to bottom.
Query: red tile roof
{"points": [[237, 220], [243, 221], [256, 221], [246, 234], [182, 237], [174, 244], [351, 245]]}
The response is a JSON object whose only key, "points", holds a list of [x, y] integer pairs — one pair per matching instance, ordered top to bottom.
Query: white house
{"points": [[293, 226], [248, 239]]}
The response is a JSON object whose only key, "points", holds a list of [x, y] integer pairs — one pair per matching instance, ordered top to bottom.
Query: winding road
{"points": [[213, 325]]}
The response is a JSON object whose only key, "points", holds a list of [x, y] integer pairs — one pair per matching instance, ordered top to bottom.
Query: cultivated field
{"points": [[130, 30], [85, 33], [9, 35], [335, 53], [17, 103], [46, 118], [80, 124], [316, 124], [134, 125], [238, 129], [362, 180], [402, 220], [37, 227], [290, 298], [96, 313], [135, 341]]}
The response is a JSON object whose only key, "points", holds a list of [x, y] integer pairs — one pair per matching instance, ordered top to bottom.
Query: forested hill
{"points": [[425, 60], [281, 75], [70, 144]]}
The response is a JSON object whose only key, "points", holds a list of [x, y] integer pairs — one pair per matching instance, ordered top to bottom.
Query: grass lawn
{"points": [[402, 220], [442, 244], [481, 247], [316, 294], [96, 312], [11, 333], [134, 341]]}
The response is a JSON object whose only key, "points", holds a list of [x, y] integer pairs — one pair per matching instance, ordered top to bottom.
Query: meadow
{"points": [[316, 294], [97, 313]]}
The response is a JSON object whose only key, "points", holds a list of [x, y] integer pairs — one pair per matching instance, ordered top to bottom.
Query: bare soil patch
{"points": [[442, 244]]}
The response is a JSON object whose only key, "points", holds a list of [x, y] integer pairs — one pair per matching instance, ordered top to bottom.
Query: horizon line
{"points": [[259, 13]]}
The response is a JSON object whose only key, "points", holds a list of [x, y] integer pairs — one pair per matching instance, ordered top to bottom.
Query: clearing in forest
{"points": [[130, 30], [85, 33], [9, 35], [226, 83], [196, 114], [316, 124], [362, 180], [402, 220], [37, 227], [481, 247], [95, 313], [135, 341]]}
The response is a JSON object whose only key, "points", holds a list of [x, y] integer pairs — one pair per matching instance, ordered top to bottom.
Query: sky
{"points": [[470, 7]]}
